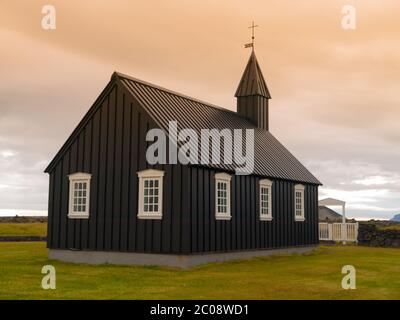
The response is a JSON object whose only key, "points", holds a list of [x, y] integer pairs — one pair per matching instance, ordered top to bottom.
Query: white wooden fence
{"points": [[338, 231]]}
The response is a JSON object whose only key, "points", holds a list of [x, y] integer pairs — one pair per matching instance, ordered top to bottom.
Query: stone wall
{"points": [[22, 219], [372, 234], [21, 238]]}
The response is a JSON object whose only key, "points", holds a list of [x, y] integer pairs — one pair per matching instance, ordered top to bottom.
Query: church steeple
{"points": [[252, 94]]}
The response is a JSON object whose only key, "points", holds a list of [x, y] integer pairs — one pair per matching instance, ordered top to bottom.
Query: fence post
{"points": [[356, 232], [344, 233], [330, 236]]}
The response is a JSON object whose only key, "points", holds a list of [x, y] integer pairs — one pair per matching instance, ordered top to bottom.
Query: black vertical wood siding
{"points": [[255, 108], [112, 148], [245, 231]]}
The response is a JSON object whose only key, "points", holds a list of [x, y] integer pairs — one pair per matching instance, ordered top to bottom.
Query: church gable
{"points": [[108, 119]]}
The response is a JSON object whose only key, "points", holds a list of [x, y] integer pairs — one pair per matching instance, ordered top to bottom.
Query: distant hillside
{"points": [[396, 218]]}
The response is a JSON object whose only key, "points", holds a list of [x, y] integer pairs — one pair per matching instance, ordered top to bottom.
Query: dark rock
{"points": [[370, 235]]}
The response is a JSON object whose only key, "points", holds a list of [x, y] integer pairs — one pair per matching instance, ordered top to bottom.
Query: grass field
{"points": [[392, 227], [23, 229], [315, 275]]}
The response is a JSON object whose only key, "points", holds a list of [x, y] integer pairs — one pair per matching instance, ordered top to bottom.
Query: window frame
{"points": [[151, 174], [80, 177], [223, 178], [265, 183], [299, 188]]}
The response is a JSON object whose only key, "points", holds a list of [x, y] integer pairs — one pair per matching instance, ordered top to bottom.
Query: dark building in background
{"points": [[105, 198], [326, 214]]}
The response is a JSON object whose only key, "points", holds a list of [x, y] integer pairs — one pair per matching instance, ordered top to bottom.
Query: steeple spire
{"points": [[252, 82], [252, 94]]}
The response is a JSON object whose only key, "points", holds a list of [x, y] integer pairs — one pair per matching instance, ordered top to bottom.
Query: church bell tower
{"points": [[252, 93]]}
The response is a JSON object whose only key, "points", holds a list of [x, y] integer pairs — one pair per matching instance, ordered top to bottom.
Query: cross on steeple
{"points": [[252, 27]]}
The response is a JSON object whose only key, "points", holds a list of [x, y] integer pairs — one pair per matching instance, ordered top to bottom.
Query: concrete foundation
{"points": [[170, 260]]}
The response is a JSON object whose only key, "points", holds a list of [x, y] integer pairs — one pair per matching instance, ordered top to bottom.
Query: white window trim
{"points": [[153, 174], [79, 177], [223, 177], [265, 183], [299, 188]]}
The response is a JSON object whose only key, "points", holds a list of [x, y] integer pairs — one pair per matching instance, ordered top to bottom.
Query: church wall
{"points": [[245, 231]]}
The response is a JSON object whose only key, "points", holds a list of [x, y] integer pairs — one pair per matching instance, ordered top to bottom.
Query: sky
{"points": [[335, 92]]}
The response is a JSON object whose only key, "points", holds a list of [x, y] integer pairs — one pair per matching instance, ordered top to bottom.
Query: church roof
{"points": [[252, 82], [272, 159], [325, 213]]}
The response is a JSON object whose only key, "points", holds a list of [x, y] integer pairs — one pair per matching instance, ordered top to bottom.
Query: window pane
{"points": [[222, 197], [265, 198], [299, 203]]}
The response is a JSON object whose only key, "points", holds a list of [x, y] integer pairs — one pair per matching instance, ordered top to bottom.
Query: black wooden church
{"points": [[107, 204]]}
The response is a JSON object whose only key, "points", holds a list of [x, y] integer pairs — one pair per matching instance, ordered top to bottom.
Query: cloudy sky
{"points": [[336, 97]]}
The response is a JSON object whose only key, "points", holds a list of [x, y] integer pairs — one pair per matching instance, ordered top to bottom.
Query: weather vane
{"points": [[251, 45]]}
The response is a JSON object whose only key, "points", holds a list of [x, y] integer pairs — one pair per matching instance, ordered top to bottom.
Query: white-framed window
{"points": [[150, 194], [79, 195], [222, 196], [265, 200], [299, 202]]}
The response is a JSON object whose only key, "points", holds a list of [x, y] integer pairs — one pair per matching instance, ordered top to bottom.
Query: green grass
{"points": [[23, 229], [315, 275]]}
